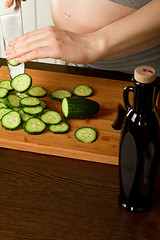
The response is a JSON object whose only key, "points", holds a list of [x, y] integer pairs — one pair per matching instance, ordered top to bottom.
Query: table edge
{"points": [[114, 75]]}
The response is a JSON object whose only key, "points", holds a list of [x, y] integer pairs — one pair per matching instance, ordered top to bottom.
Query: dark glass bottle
{"points": [[139, 143]]}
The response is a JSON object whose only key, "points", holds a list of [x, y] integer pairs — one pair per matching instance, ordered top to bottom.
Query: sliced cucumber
{"points": [[13, 62], [21, 83], [6, 84], [82, 90], [37, 91], [3, 92], [59, 94], [22, 95], [12, 101], [30, 102], [43, 103], [2, 105], [76, 107], [17, 109], [4, 111], [33, 111], [24, 116], [51, 117], [11, 120], [34, 126], [59, 128], [86, 134]]}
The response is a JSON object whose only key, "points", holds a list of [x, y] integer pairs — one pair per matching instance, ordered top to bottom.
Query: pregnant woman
{"points": [[105, 34]]}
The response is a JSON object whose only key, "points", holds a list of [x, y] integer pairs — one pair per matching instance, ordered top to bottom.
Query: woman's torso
{"points": [[84, 16]]}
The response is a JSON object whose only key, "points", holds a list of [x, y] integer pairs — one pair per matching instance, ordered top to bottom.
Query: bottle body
{"points": [[138, 160]]}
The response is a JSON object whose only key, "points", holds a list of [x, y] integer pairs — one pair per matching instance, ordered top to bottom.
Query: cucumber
{"points": [[13, 62], [21, 83], [6, 84], [82, 90], [37, 91], [3, 92], [59, 94], [22, 95], [12, 101], [30, 102], [43, 103], [2, 105], [76, 107], [16, 109], [4, 111], [33, 111], [24, 116], [51, 117], [11, 120], [34, 126], [59, 128], [86, 134]]}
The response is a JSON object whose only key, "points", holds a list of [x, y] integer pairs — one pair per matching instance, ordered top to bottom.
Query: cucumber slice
{"points": [[13, 62], [21, 83], [6, 84], [82, 90], [37, 91], [3, 92], [59, 94], [22, 95], [12, 101], [30, 102], [43, 103], [2, 105], [76, 107], [17, 109], [4, 111], [33, 111], [24, 116], [51, 117], [11, 120], [34, 126], [59, 128], [86, 134]]}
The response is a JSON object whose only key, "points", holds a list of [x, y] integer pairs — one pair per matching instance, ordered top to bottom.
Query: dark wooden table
{"points": [[52, 198]]}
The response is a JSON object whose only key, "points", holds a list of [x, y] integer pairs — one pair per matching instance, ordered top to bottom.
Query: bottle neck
{"points": [[144, 98]]}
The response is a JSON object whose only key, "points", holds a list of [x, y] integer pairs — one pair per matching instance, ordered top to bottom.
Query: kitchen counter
{"points": [[49, 197]]}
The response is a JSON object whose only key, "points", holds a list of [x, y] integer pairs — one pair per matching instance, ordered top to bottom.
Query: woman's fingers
{"points": [[9, 3], [36, 34], [29, 42], [51, 42], [24, 47], [43, 52]]}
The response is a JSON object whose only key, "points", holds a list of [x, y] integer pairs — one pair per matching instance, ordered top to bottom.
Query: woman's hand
{"points": [[9, 3], [52, 42]]}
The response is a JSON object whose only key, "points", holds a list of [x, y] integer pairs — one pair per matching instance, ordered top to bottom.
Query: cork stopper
{"points": [[145, 74]]}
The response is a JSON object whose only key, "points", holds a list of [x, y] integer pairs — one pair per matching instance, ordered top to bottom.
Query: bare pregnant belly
{"points": [[84, 16]]}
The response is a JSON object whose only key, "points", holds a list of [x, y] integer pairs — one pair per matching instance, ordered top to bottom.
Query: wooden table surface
{"points": [[54, 198]]}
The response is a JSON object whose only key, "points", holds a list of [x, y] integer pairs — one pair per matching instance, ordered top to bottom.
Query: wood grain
{"points": [[107, 92], [52, 198]]}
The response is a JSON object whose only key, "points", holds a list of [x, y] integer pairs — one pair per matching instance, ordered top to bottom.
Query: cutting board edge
{"points": [[55, 151]]}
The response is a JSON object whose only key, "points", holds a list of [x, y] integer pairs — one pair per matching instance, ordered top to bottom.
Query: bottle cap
{"points": [[145, 74]]}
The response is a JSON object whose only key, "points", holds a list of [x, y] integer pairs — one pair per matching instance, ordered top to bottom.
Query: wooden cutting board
{"points": [[108, 93]]}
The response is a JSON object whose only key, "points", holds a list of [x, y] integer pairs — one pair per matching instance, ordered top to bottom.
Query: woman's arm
{"points": [[137, 31], [132, 33]]}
